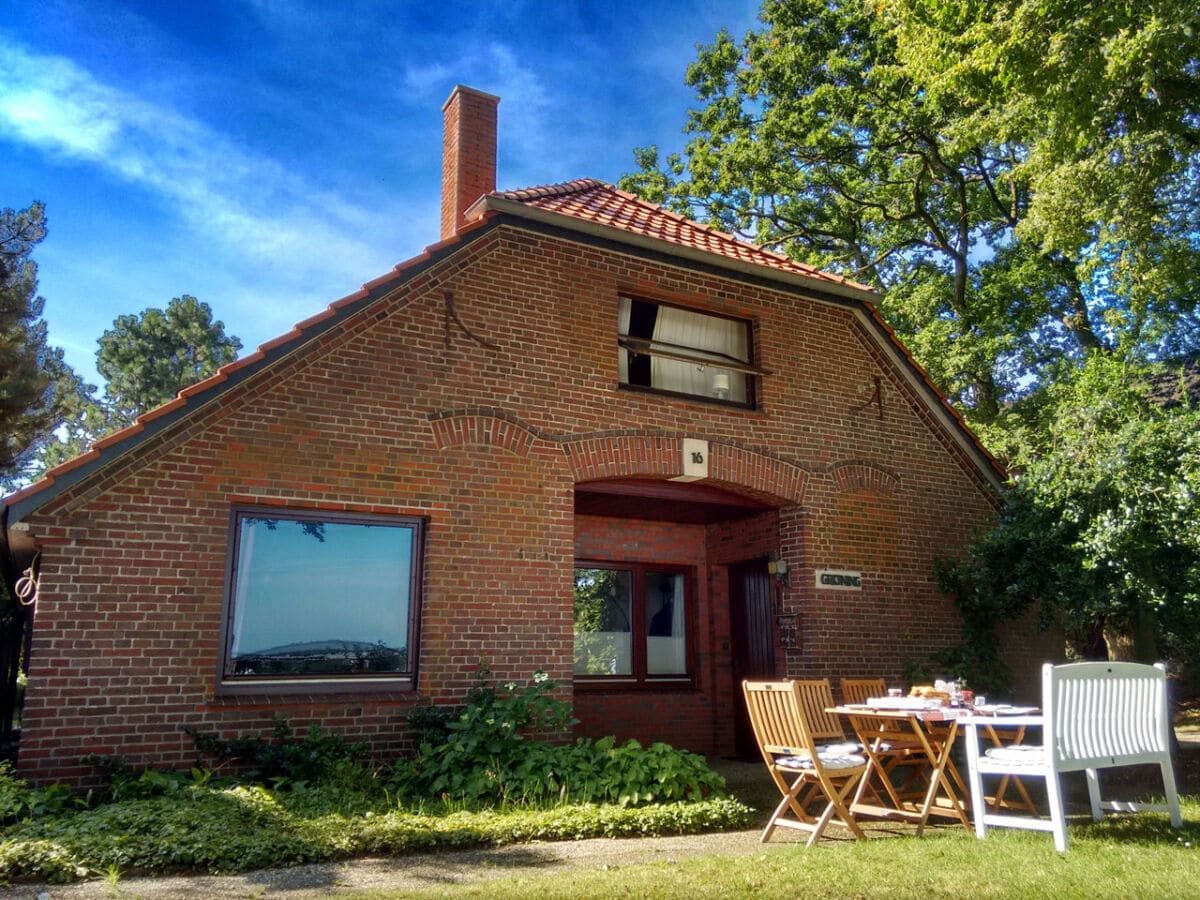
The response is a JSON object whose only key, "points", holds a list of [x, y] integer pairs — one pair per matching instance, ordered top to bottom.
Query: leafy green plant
{"points": [[429, 724], [485, 751], [491, 754], [283, 758], [14, 794], [19, 802], [237, 829]]}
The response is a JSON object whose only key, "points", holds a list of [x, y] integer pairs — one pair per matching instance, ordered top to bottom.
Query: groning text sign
{"points": [[839, 580]]}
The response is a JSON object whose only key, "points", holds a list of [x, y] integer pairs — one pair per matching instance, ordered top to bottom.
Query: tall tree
{"points": [[1104, 102], [843, 133], [146, 359], [30, 368], [1103, 524]]}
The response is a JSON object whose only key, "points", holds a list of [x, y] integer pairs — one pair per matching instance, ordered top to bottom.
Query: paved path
{"points": [[424, 871]]}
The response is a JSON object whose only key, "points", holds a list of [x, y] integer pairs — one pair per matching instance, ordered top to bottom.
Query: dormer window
{"points": [[683, 352]]}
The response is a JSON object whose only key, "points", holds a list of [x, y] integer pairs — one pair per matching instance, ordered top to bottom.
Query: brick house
{"points": [[579, 434]]}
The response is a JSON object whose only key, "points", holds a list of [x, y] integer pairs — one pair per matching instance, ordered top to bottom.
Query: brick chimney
{"points": [[468, 153]]}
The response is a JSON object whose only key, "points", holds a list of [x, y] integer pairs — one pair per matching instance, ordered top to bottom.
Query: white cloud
{"points": [[250, 206]]}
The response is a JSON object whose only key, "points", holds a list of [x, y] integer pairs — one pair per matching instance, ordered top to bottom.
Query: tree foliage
{"points": [[1019, 180], [1017, 201], [146, 359], [30, 369], [48, 414], [1102, 525]]}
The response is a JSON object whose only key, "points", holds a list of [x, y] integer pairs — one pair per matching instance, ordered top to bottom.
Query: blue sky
{"points": [[270, 156]]}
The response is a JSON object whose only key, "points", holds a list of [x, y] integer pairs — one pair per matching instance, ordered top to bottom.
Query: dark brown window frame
{"points": [[636, 346], [639, 680], [290, 685]]}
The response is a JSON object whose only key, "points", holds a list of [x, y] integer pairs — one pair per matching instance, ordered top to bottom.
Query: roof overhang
{"points": [[506, 206], [191, 401]]}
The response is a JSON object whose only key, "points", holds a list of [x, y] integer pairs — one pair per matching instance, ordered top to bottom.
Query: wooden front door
{"points": [[752, 632]]}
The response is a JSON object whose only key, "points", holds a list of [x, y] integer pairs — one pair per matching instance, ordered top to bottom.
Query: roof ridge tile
{"points": [[560, 189], [634, 214]]}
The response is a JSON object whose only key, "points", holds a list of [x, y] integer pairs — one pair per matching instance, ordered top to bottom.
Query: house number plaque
{"points": [[695, 460]]}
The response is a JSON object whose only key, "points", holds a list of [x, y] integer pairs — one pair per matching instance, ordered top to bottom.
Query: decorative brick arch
{"points": [[455, 429], [754, 474], [862, 476]]}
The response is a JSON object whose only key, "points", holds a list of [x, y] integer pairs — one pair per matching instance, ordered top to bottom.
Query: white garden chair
{"points": [[1095, 715]]}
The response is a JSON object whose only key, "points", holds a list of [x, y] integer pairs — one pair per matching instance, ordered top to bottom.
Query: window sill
{"points": [[688, 398], [619, 685], [236, 693]]}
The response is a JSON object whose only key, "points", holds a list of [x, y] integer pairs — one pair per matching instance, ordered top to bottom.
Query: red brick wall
{"points": [[381, 414]]}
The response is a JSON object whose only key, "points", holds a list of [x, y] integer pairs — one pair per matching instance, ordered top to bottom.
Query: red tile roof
{"points": [[602, 204]]}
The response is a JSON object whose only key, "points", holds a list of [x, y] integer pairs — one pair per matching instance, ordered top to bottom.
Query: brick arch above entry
{"points": [[608, 455], [605, 456], [863, 476]]}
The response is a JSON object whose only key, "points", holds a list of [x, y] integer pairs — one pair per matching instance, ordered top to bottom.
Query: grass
{"points": [[1188, 717], [199, 828], [1137, 856]]}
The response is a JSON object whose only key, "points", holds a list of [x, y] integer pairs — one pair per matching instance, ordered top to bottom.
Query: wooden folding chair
{"points": [[860, 690], [816, 696], [896, 752], [801, 768]]}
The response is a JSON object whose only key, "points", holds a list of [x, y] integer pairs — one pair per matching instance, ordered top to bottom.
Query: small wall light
{"points": [[777, 568]]}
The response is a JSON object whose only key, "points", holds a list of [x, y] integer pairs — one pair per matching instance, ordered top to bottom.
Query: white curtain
{"points": [[624, 309], [701, 332], [241, 590]]}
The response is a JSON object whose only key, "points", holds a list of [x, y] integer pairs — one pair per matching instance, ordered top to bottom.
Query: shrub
{"points": [[429, 724], [489, 755], [283, 759], [125, 783], [19, 802]]}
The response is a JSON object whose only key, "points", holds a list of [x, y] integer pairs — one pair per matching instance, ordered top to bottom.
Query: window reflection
{"points": [[317, 597]]}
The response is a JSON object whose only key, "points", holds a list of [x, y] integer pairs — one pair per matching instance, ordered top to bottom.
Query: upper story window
{"points": [[681, 351], [321, 598]]}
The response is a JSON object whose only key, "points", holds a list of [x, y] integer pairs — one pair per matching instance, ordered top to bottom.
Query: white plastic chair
{"points": [[1095, 715]]}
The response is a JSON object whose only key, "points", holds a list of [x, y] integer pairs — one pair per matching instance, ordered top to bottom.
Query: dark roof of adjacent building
{"points": [[1176, 384]]}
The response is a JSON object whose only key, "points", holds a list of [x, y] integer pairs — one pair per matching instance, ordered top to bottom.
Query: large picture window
{"points": [[682, 351], [321, 597], [631, 624]]}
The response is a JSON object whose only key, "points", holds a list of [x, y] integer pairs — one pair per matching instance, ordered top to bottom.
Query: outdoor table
{"points": [[930, 732]]}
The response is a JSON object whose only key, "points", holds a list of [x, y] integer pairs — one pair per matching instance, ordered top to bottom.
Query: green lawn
{"points": [[193, 826], [1139, 856]]}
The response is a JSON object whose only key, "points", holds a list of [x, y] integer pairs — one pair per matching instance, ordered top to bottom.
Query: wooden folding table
{"points": [[928, 732]]}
